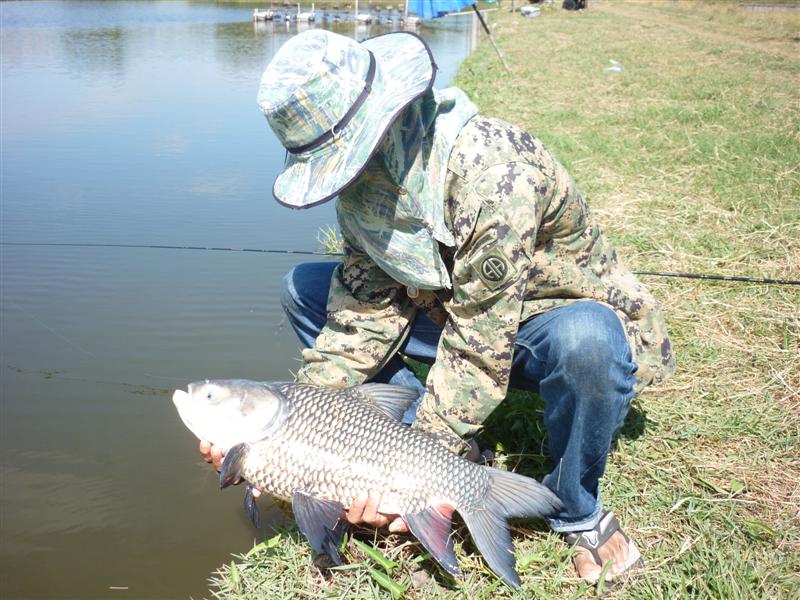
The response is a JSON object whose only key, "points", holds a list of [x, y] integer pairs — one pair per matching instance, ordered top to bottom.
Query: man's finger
{"points": [[205, 450], [216, 456], [356, 511], [371, 515], [398, 526]]}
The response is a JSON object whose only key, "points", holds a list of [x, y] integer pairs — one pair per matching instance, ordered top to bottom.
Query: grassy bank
{"points": [[690, 159]]}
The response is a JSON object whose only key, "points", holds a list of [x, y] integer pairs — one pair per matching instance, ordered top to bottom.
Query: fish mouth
{"points": [[180, 398], [183, 402]]}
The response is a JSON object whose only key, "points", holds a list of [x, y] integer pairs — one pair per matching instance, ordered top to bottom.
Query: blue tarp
{"points": [[430, 9]]}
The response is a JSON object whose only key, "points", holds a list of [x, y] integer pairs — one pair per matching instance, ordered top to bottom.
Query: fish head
{"points": [[227, 412]]}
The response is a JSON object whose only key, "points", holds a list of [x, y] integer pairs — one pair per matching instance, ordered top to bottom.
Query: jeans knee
{"points": [[304, 290], [289, 296], [589, 335], [591, 349]]}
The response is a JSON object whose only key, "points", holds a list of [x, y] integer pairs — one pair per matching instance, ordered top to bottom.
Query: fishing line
{"points": [[165, 247], [705, 276], [720, 277], [44, 325], [56, 375], [135, 388]]}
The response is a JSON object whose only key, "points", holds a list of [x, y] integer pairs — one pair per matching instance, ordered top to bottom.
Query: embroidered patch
{"points": [[494, 268]]}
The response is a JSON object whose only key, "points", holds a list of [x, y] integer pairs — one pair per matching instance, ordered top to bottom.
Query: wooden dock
{"points": [[336, 14]]}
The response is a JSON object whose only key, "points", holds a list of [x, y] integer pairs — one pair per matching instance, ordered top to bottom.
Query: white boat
{"points": [[263, 15], [306, 17], [410, 21]]}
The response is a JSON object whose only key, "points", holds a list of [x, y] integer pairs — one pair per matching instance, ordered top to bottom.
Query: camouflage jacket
{"points": [[525, 243]]}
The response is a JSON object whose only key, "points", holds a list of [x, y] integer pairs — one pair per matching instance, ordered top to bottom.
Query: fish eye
{"points": [[208, 395]]}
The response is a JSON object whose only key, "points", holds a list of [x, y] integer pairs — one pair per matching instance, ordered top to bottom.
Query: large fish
{"points": [[321, 448]]}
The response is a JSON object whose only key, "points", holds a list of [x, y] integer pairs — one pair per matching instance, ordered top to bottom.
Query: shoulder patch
{"points": [[494, 268]]}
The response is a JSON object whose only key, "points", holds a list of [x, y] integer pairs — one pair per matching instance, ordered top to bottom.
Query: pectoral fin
{"points": [[231, 470], [251, 508], [320, 521], [433, 527]]}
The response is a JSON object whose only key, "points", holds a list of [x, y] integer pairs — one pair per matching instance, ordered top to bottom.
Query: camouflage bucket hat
{"points": [[330, 100]]}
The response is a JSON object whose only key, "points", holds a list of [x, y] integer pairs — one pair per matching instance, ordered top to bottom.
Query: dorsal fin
{"points": [[391, 400]]}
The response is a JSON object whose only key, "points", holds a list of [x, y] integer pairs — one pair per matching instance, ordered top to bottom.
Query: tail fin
{"points": [[508, 495], [514, 495]]}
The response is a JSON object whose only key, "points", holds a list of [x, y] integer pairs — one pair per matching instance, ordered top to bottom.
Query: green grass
{"points": [[690, 159]]}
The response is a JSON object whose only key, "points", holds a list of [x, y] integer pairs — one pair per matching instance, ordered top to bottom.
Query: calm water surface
{"points": [[135, 123]]}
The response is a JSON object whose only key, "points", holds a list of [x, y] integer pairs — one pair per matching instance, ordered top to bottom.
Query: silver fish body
{"points": [[335, 445], [321, 448]]}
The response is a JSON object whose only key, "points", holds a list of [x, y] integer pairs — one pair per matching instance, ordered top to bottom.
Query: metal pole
{"points": [[491, 39]]}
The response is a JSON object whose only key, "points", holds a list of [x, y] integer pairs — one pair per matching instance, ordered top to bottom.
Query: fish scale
{"points": [[321, 448], [372, 452]]}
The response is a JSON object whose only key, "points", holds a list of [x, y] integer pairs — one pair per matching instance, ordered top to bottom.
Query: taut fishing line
{"points": [[705, 276]]}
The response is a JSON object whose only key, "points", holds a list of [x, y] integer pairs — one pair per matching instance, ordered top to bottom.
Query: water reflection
{"points": [[241, 46], [92, 52], [136, 122], [46, 501]]}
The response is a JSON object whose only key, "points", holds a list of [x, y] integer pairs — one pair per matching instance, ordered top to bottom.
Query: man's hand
{"points": [[211, 454], [365, 510]]}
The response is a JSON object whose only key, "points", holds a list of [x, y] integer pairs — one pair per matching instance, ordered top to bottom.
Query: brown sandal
{"points": [[594, 539]]}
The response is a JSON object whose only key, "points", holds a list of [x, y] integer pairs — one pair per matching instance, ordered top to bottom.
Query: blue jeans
{"points": [[576, 357]]}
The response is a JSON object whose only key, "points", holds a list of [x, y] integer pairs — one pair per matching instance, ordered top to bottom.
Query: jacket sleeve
{"points": [[490, 272], [368, 318]]}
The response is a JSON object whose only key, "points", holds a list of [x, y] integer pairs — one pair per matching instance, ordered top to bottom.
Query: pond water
{"points": [[136, 123]]}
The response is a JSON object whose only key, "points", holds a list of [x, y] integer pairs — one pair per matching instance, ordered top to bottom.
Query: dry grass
{"points": [[691, 160]]}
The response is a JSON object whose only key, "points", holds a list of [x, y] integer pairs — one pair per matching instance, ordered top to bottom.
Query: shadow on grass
{"points": [[636, 422], [516, 430]]}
